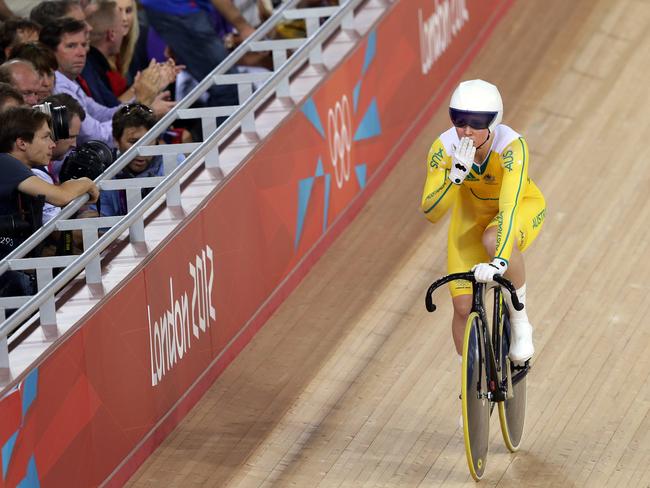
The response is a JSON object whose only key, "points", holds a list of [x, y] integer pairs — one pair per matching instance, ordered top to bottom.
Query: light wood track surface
{"points": [[353, 384]]}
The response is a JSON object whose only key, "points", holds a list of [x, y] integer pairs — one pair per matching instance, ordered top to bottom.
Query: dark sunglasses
{"points": [[134, 107], [476, 120]]}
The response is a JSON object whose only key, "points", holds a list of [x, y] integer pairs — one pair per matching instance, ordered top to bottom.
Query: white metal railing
{"points": [[288, 56]]}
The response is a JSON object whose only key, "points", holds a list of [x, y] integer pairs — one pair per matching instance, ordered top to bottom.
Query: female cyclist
{"points": [[480, 167]]}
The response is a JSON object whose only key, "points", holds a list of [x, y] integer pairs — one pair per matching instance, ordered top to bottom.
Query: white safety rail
{"points": [[84, 280]]}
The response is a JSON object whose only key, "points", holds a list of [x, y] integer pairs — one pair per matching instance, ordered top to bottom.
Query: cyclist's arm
{"points": [[514, 160], [439, 191]]}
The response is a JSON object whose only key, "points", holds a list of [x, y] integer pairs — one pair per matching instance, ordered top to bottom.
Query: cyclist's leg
{"points": [[528, 224], [464, 250], [516, 267], [462, 308]]}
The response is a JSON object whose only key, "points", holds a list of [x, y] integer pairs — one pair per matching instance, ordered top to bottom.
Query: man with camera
{"points": [[66, 114], [130, 123], [65, 140], [25, 142]]}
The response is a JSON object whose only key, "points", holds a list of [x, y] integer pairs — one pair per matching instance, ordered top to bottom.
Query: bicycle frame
{"points": [[497, 389]]}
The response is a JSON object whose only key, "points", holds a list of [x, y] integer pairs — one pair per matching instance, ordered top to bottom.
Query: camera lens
{"points": [[59, 117], [60, 123], [90, 160]]}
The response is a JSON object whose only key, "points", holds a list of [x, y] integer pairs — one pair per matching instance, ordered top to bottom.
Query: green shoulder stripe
{"points": [[514, 207]]}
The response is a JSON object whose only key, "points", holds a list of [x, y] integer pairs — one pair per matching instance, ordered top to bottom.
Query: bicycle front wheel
{"points": [[476, 407], [512, 411]]}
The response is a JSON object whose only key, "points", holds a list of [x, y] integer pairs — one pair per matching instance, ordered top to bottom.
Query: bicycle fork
{"points": [[494, 391]]}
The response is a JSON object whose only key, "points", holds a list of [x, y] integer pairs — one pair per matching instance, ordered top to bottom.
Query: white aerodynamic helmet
{"points": [[476, 103]]}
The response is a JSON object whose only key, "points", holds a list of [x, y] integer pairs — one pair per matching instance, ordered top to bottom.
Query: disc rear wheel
{"points": [[512, 411]]}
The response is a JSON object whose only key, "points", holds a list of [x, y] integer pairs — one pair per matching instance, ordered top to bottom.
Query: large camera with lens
{"points": [[59, 116], [89, 159], [16, 227]]}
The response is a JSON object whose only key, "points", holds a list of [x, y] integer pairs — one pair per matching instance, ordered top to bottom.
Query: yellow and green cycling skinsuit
{"points": [[496, 193]]}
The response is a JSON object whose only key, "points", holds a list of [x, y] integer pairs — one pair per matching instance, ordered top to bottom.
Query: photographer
{"points": [[74, 116], [130, 123], [26, 141]]}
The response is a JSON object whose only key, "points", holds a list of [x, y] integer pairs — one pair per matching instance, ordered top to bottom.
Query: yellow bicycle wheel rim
{"points": [[468, 448]]}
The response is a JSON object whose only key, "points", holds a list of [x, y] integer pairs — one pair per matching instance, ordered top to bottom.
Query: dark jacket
{"points": [[95, 73]]}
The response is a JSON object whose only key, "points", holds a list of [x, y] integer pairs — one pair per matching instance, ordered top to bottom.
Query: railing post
{"points": [[316, 56], [279, 58], [208, 126], [174, 193], [136, 230], [93, 268], [47, 310], [5, 369]]}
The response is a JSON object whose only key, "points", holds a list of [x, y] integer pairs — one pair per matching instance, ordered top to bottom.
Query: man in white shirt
{"points": [[67, 38]]}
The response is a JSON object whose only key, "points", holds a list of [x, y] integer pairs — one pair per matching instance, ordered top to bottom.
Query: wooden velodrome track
{"points": [[352, 383]]}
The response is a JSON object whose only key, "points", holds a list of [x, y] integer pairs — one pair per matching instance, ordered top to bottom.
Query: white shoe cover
{"points": [[521, 341]]}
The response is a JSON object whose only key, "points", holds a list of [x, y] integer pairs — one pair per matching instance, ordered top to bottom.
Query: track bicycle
{"points": [[488, 376]]}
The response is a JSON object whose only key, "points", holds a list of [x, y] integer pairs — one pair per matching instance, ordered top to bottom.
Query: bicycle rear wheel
{"points": [[476, 407], [512, 411]]}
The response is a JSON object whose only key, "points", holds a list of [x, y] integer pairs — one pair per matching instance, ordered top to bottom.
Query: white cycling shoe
{"points": [[521, 341]]}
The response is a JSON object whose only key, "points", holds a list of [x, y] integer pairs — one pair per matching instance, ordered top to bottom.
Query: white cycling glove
{"points": [[462, 160], [484, 272]]}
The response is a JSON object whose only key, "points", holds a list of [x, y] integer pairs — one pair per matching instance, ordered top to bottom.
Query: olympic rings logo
{"points": [[339, 137]]}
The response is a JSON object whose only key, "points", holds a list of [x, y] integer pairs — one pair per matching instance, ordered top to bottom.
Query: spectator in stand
{"points": [[53, 10], [185, 24], [15, 32], [66, 37], [105, 41], [44, 62], [121, 62], [251, 62], [23, 77], [106, 84], [9, 97], [130, 124]]}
